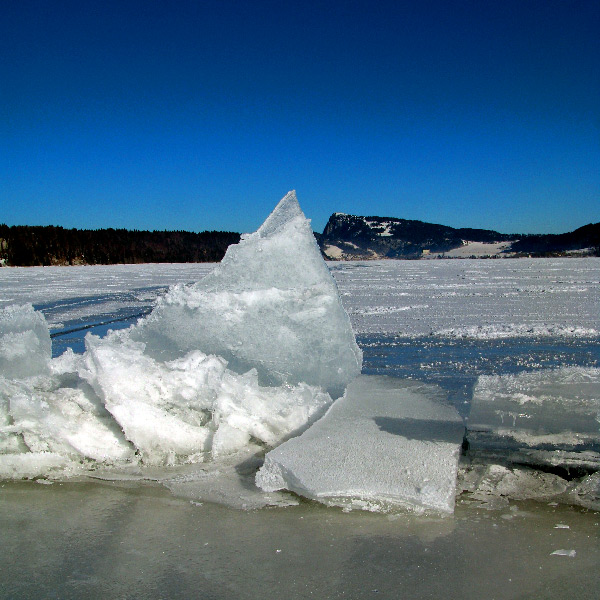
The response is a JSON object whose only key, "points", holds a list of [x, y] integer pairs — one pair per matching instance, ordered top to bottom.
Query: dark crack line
{"points": [[92, 325]]}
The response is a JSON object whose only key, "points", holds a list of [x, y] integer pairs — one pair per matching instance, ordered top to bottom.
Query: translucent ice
{"points": [[271, 305], [25, 346], [544, 402], [548, 416], [386, 443]]}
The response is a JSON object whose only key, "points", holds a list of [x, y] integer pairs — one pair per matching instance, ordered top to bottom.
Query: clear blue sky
{"points": [[201, 115]]}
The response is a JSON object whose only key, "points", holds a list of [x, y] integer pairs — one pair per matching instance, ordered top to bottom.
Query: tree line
{"points": [[22, 245]]}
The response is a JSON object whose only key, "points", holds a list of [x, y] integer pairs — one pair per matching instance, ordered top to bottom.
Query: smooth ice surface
{"points": [[271, 305], [241, 360], [386, 443], [108, 540]]}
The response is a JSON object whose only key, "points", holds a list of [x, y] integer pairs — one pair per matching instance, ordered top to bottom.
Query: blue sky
{"points": [[202, 115]]}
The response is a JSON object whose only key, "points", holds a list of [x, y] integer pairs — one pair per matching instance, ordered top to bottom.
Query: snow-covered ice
{"points": [[466, 299], [386, 443]]}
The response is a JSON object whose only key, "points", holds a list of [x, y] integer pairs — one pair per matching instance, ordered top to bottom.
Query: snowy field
{"points": [[471, 299], [478, 299], [479, 329]]}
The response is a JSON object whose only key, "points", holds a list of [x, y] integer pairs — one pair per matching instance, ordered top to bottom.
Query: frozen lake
{"points": [[445, 322]]}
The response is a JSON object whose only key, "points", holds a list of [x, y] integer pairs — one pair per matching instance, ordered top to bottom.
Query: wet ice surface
{"points": [[71, 541]]}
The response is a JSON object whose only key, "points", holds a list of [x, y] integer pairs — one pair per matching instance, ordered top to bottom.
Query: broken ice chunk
{"points": [[271, 305], [25, 345], [242, 360], [549, 416], [386, 443], [569, 553]]}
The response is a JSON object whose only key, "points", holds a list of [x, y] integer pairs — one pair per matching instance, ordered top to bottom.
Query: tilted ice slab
{"points": [[271, 305], [242, 360], [546, 416], [387, 443]]}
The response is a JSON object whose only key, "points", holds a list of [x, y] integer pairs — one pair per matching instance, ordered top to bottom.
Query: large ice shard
{"points": [[271, 305], [387, 443]]}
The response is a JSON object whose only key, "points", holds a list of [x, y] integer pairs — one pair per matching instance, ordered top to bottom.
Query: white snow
{"points": [[381, 228], [476, 249], [333, 251], [479, 299], [386, 443]]}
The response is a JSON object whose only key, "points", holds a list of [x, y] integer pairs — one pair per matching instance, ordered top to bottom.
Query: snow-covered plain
{"points": [[479, 299]]}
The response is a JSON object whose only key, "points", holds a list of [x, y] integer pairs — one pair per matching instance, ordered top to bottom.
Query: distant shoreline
{"points": [[345, 238]]}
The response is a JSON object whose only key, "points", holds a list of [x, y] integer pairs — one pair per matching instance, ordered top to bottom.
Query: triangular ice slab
{"points": [[271, 304]]}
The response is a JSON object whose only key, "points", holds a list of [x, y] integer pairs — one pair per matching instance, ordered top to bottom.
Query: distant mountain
{"points": [[351, 237]]}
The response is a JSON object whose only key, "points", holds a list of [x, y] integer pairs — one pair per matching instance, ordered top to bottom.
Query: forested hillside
{"points": [[30, 246]]}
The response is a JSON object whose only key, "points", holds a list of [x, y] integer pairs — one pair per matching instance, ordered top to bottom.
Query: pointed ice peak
{"points": [[287, 210], [270, 305]]}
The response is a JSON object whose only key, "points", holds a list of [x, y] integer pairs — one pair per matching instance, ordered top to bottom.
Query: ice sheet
{"points": [[476, 298], [525, 298], [544, 403], [386, 443]]}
